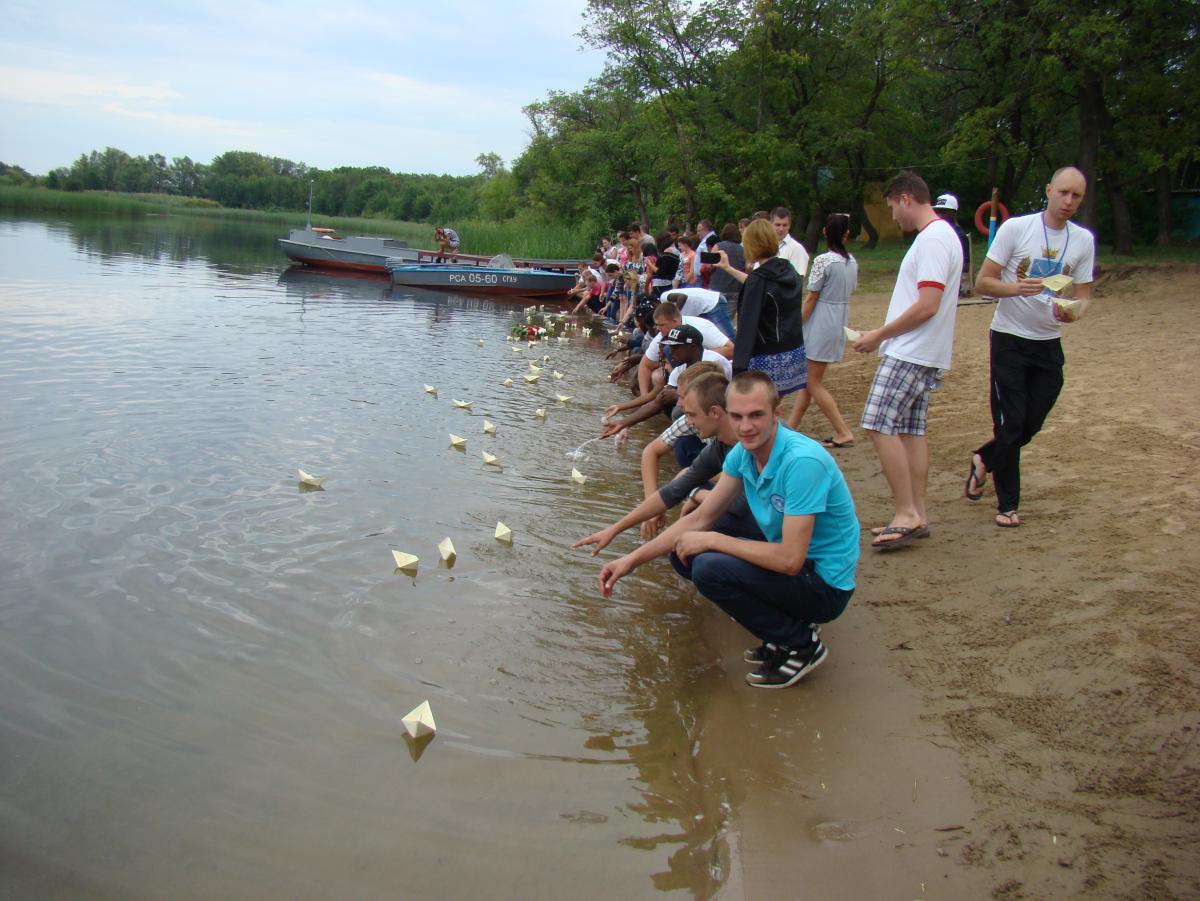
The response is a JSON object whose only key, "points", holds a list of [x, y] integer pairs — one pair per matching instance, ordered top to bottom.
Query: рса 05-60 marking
{"points": [[477, 278]]}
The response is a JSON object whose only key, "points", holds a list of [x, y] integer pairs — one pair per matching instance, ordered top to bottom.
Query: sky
{"points": [[412, 87]]}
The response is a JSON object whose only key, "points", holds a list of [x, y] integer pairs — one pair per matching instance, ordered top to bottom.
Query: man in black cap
{"points": [[681, 346]]}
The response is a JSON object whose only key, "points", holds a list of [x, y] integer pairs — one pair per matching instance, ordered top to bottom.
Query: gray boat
{"points": [[324, 247]]}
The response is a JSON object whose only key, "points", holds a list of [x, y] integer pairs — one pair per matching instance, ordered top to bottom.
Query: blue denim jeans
{"points": [[719, 316], [774, 607]]}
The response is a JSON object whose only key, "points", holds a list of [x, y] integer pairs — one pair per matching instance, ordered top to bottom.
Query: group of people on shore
{"points": [[768, 529]]}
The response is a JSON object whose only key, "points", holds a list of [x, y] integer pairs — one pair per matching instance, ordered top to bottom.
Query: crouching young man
{"points": [[802, 575]]}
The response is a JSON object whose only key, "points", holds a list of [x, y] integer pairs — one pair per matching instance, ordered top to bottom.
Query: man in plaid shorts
{"points": [[914, 346]]}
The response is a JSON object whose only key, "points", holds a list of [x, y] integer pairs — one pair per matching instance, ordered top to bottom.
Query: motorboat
{"points": [[324, 247], [500, 276]]}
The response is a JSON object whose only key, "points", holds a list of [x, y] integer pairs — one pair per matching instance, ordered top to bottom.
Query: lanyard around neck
{"points": [[1050, 252]]}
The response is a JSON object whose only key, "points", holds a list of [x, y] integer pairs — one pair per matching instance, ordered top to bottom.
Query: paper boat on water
{"points": [[851, 334], [508, 337], [563, 339], [480, 342], [518, 350], [546, 359], [534, 367], [557, 374], [531, 377], [508, 383], [429, 389], [563, 398], [462, 404], [539, 413], [489, 428], [456, 441], [491, 459], [577, 476], [307, 478], [503, 533], [446, 549], [406, 563], [419, 721]]}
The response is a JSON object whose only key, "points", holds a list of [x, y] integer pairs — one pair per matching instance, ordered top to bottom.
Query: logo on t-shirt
{"points": [[777, 502]]}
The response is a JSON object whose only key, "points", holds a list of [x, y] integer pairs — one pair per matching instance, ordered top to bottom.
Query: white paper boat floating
{"points": [[852, 334], [508, 337], [563, 339], [480, 342], [518, 350], [546, 359], [534, 367], [557, 374], [531, 377], [508, 383], [429, 389], [563, 398], [462, 404], [539, 413], [489, 428], [456, 441], [490, 459], [577, 476], [312, 481], [503, 533], [446, 549], [406, 563], [418, 722]]}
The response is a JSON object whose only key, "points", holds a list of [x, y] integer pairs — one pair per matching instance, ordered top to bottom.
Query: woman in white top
{"points": [[826, 313]]}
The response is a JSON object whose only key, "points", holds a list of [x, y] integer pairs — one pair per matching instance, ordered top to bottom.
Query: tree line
{"points": [[722, 106], [718, 108]]}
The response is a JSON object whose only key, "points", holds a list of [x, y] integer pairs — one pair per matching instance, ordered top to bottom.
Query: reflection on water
{"points": [[205, 666]]}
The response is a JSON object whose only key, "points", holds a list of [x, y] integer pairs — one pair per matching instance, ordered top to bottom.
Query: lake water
{"points": [[204, 666]]}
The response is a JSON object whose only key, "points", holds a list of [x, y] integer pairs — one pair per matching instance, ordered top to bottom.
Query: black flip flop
{"points": [[829, 442], [973, 479], [906, 534]]}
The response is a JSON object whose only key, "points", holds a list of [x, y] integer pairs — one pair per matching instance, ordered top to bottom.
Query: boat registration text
{"points": [[481, 278]]}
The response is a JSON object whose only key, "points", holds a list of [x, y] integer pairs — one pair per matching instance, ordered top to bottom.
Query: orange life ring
{"points": [[987, 205]]}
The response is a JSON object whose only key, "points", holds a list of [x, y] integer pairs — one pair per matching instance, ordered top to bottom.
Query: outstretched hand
{"points": [[611, 428], [601, 539], [611, 572]]}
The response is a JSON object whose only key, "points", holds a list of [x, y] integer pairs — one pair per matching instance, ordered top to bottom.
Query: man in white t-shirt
{"points": [[789, 248], [703, 303], [667, 317], [915, 345], [683, 346], [1026, 350]]}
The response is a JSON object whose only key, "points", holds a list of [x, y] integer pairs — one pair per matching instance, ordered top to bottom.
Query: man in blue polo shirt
{"points": [[803, 574]]}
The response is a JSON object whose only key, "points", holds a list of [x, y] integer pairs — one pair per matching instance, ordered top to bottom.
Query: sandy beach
{"points": [[1006, 713]]}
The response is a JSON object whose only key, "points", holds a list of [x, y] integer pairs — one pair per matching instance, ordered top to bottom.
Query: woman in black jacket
{"points": [[770, 333]]}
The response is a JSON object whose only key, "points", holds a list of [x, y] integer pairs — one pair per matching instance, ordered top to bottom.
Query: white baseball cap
{"points": [[946, 202]]}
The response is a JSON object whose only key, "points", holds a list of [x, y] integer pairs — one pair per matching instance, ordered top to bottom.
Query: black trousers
{"points": [[1026, 378]]}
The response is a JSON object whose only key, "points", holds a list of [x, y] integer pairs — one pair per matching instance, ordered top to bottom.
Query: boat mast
{"points": [[308, 220]]}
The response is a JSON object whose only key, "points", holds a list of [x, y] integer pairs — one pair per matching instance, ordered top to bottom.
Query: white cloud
{"points": [[67, 88]]}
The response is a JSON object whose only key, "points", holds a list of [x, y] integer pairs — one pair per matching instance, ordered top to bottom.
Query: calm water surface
{"points": [[204, 667]]}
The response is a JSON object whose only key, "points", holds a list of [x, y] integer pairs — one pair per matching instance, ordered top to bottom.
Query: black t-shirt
{"points": [[668, 265]]}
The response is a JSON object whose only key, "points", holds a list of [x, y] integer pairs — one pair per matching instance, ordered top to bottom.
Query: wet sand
{"points": [[1005, 712]]}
